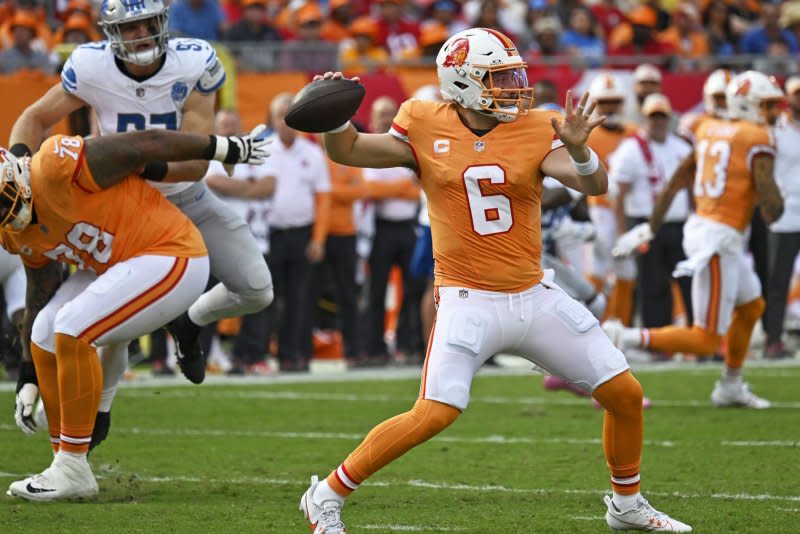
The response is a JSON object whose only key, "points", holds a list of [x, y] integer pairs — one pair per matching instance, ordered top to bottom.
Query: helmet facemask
{"points": [[115, 15], [505, 94], [16, 207]]}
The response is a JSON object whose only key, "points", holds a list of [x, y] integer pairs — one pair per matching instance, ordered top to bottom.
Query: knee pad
{"points": [[260, 293], [751, 311], [621, 394]]}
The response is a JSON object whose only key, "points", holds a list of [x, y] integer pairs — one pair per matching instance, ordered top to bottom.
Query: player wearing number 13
{"points": [[481, 156], [732, 170], [140, 262]]}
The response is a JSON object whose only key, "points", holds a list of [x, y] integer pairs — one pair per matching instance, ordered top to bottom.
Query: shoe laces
{"points": [[644, 507]]}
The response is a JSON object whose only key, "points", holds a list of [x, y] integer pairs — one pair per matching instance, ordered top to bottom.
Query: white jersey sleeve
{"points": [[82, 72], [626, 164]]}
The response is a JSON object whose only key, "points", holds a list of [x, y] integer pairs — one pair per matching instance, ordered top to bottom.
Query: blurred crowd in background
{"points": [[369, 35]]}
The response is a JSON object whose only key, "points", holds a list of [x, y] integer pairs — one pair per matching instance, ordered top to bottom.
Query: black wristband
{"points": [[211, 149], [20, 150], [155, 171], [27, 375]]}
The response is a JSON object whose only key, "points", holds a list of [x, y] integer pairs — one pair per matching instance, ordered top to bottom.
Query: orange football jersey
{"points": [[604, 142], [724, 188], [484, 194], [79, 223]]}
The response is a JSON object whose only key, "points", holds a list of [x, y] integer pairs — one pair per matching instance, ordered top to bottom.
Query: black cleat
{"points": [[191, 359], [101, 426]]}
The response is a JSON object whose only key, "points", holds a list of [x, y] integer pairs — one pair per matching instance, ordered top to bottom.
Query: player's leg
{"points": [[603, 220], [12, 274], [245, 283], [714, 288], [132, 298], [621, 299], [465, 333], [565, 339], [114, 362], [731, 390]]}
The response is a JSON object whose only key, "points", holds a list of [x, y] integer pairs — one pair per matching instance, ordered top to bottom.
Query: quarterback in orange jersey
{"points": [[607, 90], [480, 157], [732, 170], [140, 262]]}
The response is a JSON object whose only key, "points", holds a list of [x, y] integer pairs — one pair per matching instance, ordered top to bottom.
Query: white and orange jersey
{"points": [[604, 142], [724, 188], [484, 193], [79, 223]]}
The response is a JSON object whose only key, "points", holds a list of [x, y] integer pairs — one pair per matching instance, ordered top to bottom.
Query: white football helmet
{"points": [[114, 13], [479, 68], [714, 87], [746, 92], [16, 208]]}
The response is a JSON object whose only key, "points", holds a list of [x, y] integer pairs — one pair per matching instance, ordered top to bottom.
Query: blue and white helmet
{"points": [[114, 13]]}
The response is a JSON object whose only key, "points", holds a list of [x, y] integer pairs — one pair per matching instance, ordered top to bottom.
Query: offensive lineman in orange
{"points": [[480, 157], [732, 170], [140, 262]]}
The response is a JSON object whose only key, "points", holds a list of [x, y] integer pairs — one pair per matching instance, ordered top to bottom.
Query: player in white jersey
{"points": [[140, 79]]}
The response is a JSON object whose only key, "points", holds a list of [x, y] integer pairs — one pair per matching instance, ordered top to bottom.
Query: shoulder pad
{"points": [[79, 65]]}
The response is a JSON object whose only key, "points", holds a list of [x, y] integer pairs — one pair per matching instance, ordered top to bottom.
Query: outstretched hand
{"points": [[577, 123]]}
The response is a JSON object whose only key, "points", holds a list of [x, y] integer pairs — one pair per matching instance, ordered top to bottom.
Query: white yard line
{"points": [[408, 528]]}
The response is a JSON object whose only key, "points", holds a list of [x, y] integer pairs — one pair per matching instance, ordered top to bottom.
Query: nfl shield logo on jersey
{"points": [[179, 91], [140, 92], [480, 146]]}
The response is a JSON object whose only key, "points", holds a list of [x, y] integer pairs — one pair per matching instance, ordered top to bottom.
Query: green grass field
{"points": [[237, 457]]}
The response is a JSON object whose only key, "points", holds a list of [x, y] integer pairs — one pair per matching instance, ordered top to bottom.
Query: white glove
{"points": [[242, 149], [571, 233], [631, 240], [27, 395]]}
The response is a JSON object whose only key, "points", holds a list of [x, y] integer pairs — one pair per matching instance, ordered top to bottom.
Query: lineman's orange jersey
{"points": [[604, 142], [724, 188], [484, 194], [79, 223]]}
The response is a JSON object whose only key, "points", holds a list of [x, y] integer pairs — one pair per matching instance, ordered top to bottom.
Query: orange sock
{"points": [[622, 296], [745, 317], [683, 339], [47, 375], [80, 385], [622, 430], [390, 440]]}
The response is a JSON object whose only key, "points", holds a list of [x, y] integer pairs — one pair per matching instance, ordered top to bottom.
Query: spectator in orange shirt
{"points": [[335, 28], [686, 35], [639, 36], [43, 38], [308, 52], [361, 54], [21, 55]]}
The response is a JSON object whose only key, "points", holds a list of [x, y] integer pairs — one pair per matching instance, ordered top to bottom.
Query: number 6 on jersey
{"points": [[491, 214]]}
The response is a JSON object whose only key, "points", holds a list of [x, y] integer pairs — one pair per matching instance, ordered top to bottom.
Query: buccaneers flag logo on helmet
{"points": [[457, 55], [743, 89]]}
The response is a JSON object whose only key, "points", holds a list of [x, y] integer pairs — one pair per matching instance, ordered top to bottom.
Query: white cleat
{"points": [[623, 338], [736, 394], [67, 478], [324, 517], [642, 517]]}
